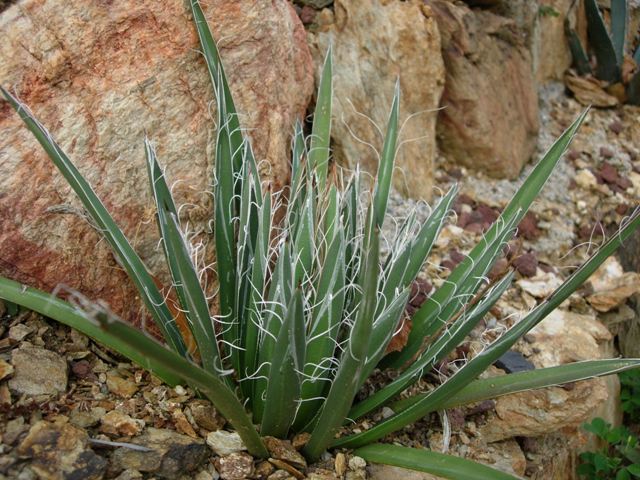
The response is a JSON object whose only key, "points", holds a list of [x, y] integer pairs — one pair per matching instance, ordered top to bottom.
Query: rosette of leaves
{"points": [[609, 49], [306, 302]]}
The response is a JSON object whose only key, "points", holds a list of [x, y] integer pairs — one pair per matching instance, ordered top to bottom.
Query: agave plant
{"points": [[608, 47], [306, 304]]}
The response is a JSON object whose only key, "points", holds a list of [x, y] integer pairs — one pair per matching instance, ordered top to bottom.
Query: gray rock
{"points": [[19, 332], [512, 362], [38, 372], [13, 429], [225, 443], [60, 451], [171, 454]]}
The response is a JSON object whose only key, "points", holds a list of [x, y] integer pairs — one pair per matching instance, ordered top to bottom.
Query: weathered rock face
{"points": [[540, 25], [374, 43], [552, 56], [101, 74], [489, 116], [617, 293], [563, 337]]}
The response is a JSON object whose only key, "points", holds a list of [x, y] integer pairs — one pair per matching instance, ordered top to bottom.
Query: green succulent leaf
{"points": [[619, 28], [580, 57], [607, 67], [226, 107], [321, 133], [230, 156], [387, 159], [299, 177], [247, 237], [185, 278], [280, 291], [254, 306], [386, 323], [423, 323], [323, 332], [440, 348], [353, 359], [493, 387], [283, 390], [440, 464]]}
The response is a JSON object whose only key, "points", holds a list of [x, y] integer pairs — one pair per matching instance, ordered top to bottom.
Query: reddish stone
{"points": [[307, 14], [616, 127], [606, 152], [573, 155], [456, 173], [608, 173], [624, 183], [622, 209], [489, 215], [464, 219], [528, 227], [474, 228], [585, 232], [457, 256], [448, 264], [526, 264], [499, 268], [547, 268], [420, 290], [82, 369], [482, 407]]}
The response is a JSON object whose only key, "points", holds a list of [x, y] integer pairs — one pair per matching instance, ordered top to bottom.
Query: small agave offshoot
{"points": [[307, 306]]}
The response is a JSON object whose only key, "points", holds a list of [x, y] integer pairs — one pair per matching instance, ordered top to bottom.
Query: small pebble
{"points": [[616, 127], [606, 152], [512, 362], [357, 463], [340, 464]]}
